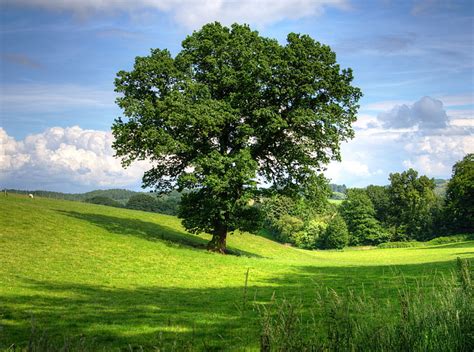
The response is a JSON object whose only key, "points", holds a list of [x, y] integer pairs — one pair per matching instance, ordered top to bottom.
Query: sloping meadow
{"points": [[78, 276]]}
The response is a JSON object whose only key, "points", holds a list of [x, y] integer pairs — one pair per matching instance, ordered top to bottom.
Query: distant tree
{"points": [[233, 107], [338, 188], [460, 196], [101, 200], [380, 200], [143, 202], [412, 202], [359, 215], [336, 235]]}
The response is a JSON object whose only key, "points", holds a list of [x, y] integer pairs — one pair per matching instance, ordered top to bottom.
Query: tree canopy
{"points": [[232, 112], [460, 196], [412, 201], [359, 214]]}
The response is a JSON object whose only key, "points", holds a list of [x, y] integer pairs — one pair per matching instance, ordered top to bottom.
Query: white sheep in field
{"points": [[31, 196]]}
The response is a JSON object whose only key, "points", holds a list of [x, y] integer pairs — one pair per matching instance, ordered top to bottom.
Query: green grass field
{"points": [[122, 277]]}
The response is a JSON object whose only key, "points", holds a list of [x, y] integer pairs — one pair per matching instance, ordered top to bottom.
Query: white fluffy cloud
{"points": [[194, 13], [421, 135], [435, 155], [64, 159], [340, 172]]}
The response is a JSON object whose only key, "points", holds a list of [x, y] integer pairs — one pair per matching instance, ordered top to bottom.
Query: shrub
{"points": [[287, 227], [336, 235], [452, 239], [304, 240], [407, 244]]}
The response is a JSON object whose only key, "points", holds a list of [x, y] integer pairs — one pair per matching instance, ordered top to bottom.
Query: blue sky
{"points": [[413, 61]]}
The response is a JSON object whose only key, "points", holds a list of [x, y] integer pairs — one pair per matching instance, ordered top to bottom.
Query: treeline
{"points": [[338, 191], [119, 195], [119, 198], [164, 204], [408, 209]]}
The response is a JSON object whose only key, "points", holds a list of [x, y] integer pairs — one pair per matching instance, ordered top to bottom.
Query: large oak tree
{"points": [[230, 109]]}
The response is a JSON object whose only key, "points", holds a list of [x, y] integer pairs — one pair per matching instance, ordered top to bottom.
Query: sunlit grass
{"points": [[129, 277]]}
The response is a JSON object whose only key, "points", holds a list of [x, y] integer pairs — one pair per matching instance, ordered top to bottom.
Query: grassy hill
{"points": [[123, 277]]}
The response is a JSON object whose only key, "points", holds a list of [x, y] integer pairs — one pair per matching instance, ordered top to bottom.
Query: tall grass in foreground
{"points": [[441, 319]]}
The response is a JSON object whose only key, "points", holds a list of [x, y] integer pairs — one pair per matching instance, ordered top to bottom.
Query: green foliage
{"points": [[230, 107], [119, 195], [460, 196], [101, 200], [381, 201], [143, 202], [168, 203], [412, 203], [359, 214], [296, 221], [288, 226], [313, 233], [336, 235], [451, 239], [404, 244]]}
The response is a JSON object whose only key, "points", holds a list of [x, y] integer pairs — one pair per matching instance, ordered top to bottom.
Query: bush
{"points": [[288, 226], [336, 235], [452, 239], [304, 240], [407, 244]]}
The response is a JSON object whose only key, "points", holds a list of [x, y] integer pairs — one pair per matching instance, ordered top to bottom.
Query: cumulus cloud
{"points": [[194, 13], [426, 113], [420, 135], [433, 138], [435, 155], [64, 159], [340, 172]]}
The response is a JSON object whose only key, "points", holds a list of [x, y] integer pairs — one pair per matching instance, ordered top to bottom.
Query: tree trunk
{"points": [[218, 242]]}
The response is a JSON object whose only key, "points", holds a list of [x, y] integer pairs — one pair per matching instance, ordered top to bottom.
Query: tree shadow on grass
{"points": [[150, 231], [210, 318]]}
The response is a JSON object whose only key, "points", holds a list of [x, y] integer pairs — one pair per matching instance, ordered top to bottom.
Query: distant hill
{"points": [[441, 186], [338, 191], [119, 195], [165, 204]]}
